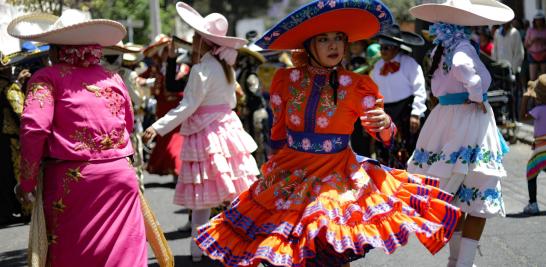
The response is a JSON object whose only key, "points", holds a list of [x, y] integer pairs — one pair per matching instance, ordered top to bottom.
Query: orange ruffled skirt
{"points": [[327, 210]]}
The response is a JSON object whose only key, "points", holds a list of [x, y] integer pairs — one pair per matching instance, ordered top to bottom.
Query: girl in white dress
{"points": [[460, 142]]}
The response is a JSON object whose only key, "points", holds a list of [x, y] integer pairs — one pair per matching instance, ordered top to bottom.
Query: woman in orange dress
{"points": [[318, 203]]}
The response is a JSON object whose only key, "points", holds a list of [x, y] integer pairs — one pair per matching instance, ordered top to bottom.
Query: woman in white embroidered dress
{"points": [[460, 142]]}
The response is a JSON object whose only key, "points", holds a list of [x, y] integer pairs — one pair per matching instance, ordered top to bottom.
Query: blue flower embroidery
{"points": [[465, 154], [421, 156], [453, 157], [465, 194], [492, 195]]}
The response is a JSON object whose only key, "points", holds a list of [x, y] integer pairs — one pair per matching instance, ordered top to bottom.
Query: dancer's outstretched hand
{"points": [[149, 135]]}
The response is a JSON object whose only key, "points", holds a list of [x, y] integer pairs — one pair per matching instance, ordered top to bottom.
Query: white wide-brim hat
{"points": [[465, 12], [213, 27], [71, 28]]}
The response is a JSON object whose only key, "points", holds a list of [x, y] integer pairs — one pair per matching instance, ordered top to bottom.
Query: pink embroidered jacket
{"points": [[73, 113]]}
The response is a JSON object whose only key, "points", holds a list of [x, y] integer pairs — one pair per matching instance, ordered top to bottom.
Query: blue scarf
{"points": [[449, 36]]}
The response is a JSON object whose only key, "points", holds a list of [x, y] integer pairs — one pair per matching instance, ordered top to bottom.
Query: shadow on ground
{"points": [[160, 185], [521, 215], [177, 235], [14, 258], [185, 261]]}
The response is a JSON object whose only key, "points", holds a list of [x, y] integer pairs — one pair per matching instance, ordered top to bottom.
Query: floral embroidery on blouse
{"points": [[295, 75], [345, 80], [43, 92], [341, 94], [298, 96], [276, 100], [115, 101], [368, 102], [326, 103], [276, 106], [295, 119], [322, 122], [90, 141]]}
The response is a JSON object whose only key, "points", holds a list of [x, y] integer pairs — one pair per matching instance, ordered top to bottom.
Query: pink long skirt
{"points": [[93, 214]]}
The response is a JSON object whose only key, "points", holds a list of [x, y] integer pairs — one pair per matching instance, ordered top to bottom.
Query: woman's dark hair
{"points": [[535, 22], [485, 31], [436, 59]]}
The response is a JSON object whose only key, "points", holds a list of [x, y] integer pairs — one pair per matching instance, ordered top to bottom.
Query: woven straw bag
{"points": [[155, 236], [37, 243]]}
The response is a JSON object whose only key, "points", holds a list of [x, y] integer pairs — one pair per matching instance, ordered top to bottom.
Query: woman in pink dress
{"points": [[535, 42], [75, 128], [217, 163]]}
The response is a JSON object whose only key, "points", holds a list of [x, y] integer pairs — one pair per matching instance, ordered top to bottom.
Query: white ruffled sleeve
{"points": [[464, 71], [194, 93]]}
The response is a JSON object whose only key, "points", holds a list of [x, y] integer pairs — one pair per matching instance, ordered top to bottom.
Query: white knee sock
{"points": [[199, 217], [454, 247], [467, 252]]}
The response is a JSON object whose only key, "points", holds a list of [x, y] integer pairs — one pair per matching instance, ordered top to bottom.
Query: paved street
{"points": [[512, 241]]}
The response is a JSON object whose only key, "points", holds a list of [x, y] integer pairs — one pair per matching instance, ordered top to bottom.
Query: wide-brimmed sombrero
{"points": [[465, 12], [358, 19], [213, 27], [71, 28], [393, 35], [160, 41], [121, 48], [29, 51], [251, 51], [538, 89]]}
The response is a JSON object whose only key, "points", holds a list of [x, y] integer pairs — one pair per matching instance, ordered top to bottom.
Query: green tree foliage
{"points": [[50, 6], [123, 9], [400, 9], [234, 10]]}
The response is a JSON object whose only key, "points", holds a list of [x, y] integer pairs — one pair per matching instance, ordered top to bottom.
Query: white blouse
{"points": [[467, 74], [407, 81], [206, 86]]}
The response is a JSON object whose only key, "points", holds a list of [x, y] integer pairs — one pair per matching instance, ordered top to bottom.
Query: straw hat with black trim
{"points": [[465, 12], [358, 19], [71, 28], [394, 36], [160, 41], [121, 48], [29, 51], [131, 53], [252, 53], [538, 89]]}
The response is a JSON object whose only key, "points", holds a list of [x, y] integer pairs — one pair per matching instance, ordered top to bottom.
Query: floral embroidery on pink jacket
{"points": [[63, 119]]}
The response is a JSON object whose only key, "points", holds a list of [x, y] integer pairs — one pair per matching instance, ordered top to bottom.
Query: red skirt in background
{"points": [[165, 157]]}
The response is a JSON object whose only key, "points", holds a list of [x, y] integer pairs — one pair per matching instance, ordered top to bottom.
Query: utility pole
{"points": [[154, 18], [131, 24]]}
